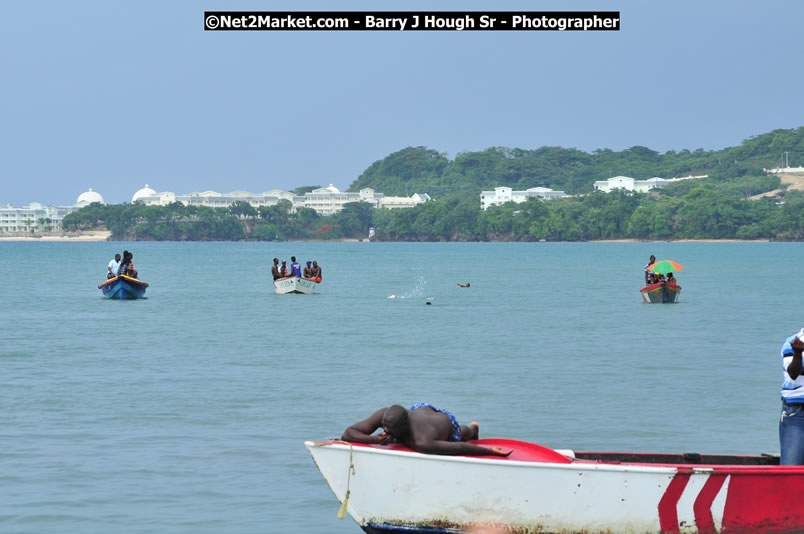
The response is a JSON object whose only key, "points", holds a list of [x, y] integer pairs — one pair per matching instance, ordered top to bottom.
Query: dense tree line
{"points": [[717, 207], [701, 213], [177, 222]]}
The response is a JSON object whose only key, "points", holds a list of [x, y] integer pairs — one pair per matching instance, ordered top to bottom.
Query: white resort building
{"points": [[785, 170], [640, 186], [501, 195], [212, 199], [324, 200], [36, 218]]}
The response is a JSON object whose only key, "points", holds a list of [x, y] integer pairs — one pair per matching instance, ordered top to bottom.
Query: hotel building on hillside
{"points": [[627, 183], [501, 195], [212, 199], [324, 200], [36, 218]]}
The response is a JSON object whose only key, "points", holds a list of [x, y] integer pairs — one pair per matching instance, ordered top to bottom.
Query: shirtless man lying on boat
{"points": [[423, 428]]}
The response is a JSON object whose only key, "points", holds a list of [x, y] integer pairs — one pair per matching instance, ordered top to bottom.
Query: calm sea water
{"points": [[187, 411]]}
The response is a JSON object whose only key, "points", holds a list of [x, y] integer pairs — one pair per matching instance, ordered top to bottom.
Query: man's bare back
{"points": [[424, 430]]}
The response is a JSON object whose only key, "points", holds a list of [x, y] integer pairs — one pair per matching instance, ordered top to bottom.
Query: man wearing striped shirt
{"points": [[791, 423]]}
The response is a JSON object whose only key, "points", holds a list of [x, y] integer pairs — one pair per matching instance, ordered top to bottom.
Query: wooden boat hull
{"points": [[294, 284], [123, 287], [660, 293], [536, 489]]}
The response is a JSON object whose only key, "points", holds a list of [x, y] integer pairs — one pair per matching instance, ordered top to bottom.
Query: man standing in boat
{"points": [[295, 268], [275, 269], [648, 271], [791, 423], [423, 428]]}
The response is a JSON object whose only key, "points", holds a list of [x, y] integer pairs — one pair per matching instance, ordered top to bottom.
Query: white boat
{"points": [[294, 284], [537, 489]]}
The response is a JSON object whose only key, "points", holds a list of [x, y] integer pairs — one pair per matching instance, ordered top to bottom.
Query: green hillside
{"points": [[424, 170]]}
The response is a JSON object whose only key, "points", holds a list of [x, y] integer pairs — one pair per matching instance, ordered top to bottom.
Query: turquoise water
{"points": [[187, 411]]}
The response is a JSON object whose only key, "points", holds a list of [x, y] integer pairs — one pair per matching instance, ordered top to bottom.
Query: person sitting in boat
{"points": [[127, 257], [114, 266], [295, 268], [275, 269], [308, 270], [283, 271], [316, 271], [131, 272], [648, 272], [671, 279], [423, 428]]}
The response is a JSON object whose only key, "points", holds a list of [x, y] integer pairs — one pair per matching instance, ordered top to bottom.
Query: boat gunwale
{"points": [[123, 278], [654, 287], [575, 463]]}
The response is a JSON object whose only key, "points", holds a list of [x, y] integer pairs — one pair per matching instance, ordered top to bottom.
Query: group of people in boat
{"points": [[121, 265], [311, 270], [656, 278]]}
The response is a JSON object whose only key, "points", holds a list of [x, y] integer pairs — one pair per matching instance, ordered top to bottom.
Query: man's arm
{"points": [[794, 369], [361, 432], [458, 448]]}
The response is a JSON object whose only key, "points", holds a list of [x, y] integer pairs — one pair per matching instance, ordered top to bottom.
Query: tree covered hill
{"points": [[424, 170]]}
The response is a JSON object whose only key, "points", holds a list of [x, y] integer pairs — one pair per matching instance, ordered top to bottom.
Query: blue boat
{"points": [[123, 287]]}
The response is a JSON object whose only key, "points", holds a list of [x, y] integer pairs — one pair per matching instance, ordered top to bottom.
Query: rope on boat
{"points": [[349, 473]]}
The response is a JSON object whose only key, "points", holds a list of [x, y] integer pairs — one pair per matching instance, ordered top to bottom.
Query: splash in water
{"points": [[416, 292]]}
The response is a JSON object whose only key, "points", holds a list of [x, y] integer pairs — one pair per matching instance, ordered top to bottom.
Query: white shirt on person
{"points": [[114, 266]]}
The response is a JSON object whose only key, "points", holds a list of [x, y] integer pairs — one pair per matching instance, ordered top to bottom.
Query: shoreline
{"points": [[105, 235], [64, 238], [673, 241]]}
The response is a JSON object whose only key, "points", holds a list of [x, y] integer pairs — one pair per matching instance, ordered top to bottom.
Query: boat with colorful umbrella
{"points": [[662, 292], [391, 489]]}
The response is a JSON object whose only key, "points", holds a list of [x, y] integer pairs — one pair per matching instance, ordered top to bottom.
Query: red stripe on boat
{"points": [[703, 503], [668, 512]]}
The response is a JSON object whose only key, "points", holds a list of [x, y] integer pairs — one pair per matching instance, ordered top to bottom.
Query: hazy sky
{"points": [[113, 95]]}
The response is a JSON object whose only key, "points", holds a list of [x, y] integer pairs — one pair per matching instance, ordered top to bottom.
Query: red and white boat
{"points": [[537, 489]]}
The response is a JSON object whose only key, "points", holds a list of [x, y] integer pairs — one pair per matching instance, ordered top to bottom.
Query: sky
{"points": [[115, 95]]}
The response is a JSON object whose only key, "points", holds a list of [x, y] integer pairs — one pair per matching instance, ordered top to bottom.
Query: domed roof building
{"points": [[144, 192], [88, 197]]}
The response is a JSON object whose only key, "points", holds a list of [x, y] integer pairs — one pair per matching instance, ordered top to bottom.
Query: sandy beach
{"points": [[65, 238]]}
